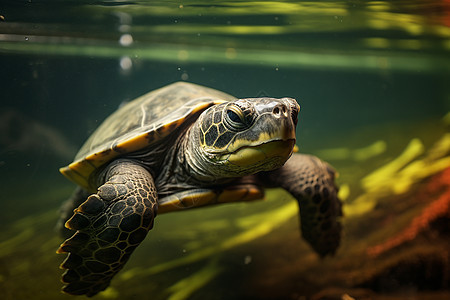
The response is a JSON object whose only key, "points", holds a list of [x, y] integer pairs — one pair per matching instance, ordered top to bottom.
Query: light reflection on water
{"points": [[234, 31]]}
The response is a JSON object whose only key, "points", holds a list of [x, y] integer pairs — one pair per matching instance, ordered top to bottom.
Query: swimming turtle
{"points": [[178, 147]]}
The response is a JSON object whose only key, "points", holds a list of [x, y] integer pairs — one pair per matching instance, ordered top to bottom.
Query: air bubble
{"points": [[126, 39], [126, 63]]}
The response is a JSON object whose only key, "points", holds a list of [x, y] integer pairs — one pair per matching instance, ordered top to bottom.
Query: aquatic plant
{"points": [[438, 208]]}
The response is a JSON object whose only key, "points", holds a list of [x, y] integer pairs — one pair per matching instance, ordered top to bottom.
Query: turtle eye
{"points": [[234, 118]]}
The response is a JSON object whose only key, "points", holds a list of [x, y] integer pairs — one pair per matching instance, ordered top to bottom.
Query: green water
{"points": [[364, 72]]}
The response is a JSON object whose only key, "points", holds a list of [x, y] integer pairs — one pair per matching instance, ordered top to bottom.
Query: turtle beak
{"points": [[277, 151]]}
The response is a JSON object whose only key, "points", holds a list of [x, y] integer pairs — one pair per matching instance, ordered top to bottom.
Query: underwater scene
{"points": [[372, 79]]}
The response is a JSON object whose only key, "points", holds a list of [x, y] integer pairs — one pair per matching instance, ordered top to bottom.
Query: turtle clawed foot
{"points": [[92, 206], [67, 209], [85, 215], [106, 235], [85, 273]]}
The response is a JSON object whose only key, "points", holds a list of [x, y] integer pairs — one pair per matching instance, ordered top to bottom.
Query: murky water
{"points": [[372, 79]]}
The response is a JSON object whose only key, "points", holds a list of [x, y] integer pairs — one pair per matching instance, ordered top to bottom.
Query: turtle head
{"points": [[245, 136]]}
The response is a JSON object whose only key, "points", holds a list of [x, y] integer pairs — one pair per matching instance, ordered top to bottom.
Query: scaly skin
{"points": [[109, 226]]}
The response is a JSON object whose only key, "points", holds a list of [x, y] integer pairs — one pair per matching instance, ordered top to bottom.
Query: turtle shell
{"points": [[139, 124]]}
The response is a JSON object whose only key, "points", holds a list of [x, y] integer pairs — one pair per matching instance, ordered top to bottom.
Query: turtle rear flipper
{"points": [[109, 226]]}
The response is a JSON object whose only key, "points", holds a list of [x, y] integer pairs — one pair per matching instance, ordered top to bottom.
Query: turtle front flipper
{"points": [[311, 182], [109, 226]]}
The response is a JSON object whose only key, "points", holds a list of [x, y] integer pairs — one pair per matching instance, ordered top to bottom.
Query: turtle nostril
{"points": [[280, 110], [276, 111]]}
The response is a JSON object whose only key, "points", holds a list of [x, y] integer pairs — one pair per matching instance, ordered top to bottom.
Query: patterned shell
{"points": [[139, 124]]}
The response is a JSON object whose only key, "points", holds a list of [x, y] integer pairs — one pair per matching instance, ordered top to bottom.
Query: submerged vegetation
{"points": [[371, 78], [188, 253]]}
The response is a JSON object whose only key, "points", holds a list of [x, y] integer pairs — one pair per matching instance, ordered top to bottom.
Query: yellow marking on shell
{"points": [[248, 156], [80, 170], [72, 172], [242, 194]]}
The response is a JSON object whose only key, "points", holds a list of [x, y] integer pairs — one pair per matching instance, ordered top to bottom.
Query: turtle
{"points": [[178, 147]]}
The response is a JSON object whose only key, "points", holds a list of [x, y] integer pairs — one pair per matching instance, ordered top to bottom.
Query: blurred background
{"points": [[373, 82]]}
